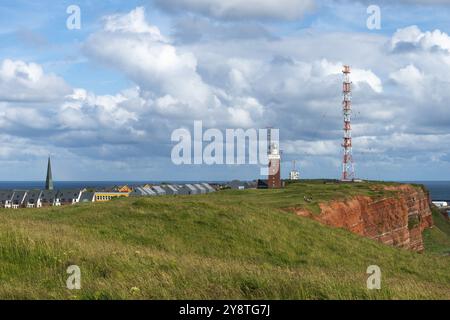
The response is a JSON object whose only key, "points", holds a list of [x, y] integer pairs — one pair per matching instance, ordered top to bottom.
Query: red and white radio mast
{"points": [[348, 171]]}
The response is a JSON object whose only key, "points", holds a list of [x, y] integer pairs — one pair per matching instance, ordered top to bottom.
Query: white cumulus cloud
{"points": [[413, 37], [21, 81]]}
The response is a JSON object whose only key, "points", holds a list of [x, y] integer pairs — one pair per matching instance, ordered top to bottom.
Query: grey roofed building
{"points": [[208, 187], [200, 188], [170, 189], [192, 189], [183, 190], [149, 191], [159, 191], [138, 192], [142, 192], [69, 196], [87, 196], [6, 198], [18, 198], [50, 198], [33, 199]]}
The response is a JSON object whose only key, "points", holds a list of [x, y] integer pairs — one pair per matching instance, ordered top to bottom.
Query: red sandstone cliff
{"points": [[398, 220]]}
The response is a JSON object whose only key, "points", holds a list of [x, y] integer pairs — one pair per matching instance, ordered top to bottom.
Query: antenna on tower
{"points": [[348, 171]]}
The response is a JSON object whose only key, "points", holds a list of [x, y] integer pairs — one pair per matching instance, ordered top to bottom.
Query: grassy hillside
{"points": [[437, 239], [231, 244]]}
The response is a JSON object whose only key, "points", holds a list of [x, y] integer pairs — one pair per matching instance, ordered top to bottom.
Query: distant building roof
{"points": [[237, 184], [251, 184], [262, 184], [200, 187], [208, 187], [124, 188], [191, 188], [169, 189], [149, 190], [159, 190], [184, 190], [142, 191], [69, 194], [6, 195], [49, 195], [19, 196], [33, 196], [87, 196]]}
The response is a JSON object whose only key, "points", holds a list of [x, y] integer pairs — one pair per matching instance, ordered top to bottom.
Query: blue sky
{"points": [[103, 100]]}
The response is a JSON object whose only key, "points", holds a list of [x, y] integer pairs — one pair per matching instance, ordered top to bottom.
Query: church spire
{"points": [[49, 180]]}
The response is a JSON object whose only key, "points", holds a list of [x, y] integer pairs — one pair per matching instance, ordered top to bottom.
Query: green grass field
{"points": [[226, 245]]}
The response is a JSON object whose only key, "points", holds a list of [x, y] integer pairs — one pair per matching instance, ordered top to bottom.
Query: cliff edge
{"points": [[396, 220]]}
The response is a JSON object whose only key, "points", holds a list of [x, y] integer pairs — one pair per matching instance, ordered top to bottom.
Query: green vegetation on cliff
{"points": [[437, 239], [231, 244]]}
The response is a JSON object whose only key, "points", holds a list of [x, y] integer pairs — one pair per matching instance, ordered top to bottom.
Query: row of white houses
{"points": [[41, 198], [44, 198]]}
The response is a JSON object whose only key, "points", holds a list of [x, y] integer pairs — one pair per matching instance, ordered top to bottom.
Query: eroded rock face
{"points": [[398, 220]]}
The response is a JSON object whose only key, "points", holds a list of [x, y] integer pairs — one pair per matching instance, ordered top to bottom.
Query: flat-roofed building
{"points": [[106, 196]]}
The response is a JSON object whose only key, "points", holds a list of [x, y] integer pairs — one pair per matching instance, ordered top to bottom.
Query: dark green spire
{"points": [[49, 180]]}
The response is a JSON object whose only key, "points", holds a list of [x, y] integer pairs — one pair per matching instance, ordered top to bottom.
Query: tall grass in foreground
{"points": [[228, 245]]}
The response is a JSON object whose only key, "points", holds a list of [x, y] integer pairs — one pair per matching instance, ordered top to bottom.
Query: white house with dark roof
{"points": [[69, 196], [6, 197], [18, 198], [50, 198], [33, 199]]}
